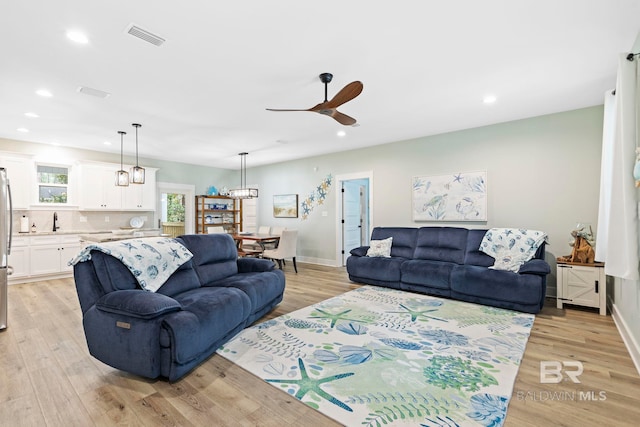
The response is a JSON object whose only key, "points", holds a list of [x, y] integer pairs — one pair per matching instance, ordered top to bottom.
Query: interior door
{"points": [[351, 216]]}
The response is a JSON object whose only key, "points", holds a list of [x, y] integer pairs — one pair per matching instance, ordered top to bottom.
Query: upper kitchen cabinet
{"points": [[20, 173], [97, 187], [98, 190], [141, 197]]}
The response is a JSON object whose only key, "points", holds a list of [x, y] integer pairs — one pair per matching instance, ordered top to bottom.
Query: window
{"points": [[53, 182]]}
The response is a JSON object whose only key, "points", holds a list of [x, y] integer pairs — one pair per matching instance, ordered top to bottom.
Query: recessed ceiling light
{"points": [[77, 37], [44, 92], [489, 99], [33, 115], [24, 130], [341, 133], [106, 143]]}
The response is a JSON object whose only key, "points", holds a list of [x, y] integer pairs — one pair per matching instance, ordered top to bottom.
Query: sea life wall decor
{"points": [[458, 196], [316, 197]]}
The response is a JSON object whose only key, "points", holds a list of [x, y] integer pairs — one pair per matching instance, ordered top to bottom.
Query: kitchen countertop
{"points": [[85, 232], [112, 237]]}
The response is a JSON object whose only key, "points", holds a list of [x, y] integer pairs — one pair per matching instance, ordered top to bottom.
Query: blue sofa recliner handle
{"points": [[137, 303]]}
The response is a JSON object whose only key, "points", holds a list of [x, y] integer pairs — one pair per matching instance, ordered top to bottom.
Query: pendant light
{"points": [[137, 173], [122, 176], [242, 192]]}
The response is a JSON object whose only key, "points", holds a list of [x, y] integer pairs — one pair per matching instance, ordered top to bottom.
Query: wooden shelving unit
{"points": [[214, 211]]}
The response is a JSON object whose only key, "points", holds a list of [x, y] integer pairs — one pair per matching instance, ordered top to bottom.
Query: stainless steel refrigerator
{"points": [[6, 230]]}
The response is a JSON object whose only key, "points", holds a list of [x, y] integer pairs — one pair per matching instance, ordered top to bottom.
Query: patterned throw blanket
{"points": [[511, 247], [151, 259]]}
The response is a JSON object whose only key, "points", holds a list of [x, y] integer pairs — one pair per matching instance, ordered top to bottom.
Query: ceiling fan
{"points": [[329, 107]]}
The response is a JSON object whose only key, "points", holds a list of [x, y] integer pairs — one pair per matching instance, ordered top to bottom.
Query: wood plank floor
{"points": [[47, 377]]}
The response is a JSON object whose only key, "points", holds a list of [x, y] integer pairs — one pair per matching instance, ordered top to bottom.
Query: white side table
{"points": [[582, 284]]}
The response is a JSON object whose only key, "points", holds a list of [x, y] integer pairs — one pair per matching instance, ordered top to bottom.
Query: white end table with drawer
{"points": [[582, 284]]}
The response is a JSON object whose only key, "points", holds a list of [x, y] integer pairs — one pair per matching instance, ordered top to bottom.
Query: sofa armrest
{"points": [[361, 251], [254, 265], [535, 266], [137, 303]]}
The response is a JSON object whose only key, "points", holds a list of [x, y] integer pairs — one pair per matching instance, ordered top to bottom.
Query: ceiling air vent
{"points": [[145, 35], [93, 92]]}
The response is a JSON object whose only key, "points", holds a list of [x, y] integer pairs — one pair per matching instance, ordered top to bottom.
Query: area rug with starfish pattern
{"points": [[376, 356]]}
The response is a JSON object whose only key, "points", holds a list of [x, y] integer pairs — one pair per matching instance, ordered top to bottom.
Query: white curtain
{"points": [[617, 235]]}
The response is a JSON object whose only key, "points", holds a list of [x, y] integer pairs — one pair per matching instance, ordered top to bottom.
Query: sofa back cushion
{"points": [[404, 239], [446, 244], [214, 255], [474, 255], [113, 275]]}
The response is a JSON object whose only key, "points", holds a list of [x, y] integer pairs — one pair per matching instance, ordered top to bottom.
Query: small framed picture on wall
{"points": [[285, 206]]}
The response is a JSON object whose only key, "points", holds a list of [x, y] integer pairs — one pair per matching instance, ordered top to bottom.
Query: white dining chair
{"points": [[286, 249]]}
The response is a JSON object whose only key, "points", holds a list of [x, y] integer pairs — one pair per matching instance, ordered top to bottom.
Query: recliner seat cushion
{"points": [[380, 269], [434, 274], [496, 284], [259, 287], [207, 315]]}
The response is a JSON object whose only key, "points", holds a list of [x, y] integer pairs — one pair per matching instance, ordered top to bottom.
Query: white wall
{"points": [[543, 173]]}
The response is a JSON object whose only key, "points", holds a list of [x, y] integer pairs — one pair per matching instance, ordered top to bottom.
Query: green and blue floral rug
{"points": [[376, 356]]}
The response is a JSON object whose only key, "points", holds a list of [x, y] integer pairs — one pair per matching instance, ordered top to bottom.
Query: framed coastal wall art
{"points": [[458, 196], [285, 206]]}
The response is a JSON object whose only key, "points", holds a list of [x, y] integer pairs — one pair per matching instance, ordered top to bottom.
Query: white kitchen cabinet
{"points": [[20, 171], [98, 190], [141, 196], [50, 254], [19, 257], [582, 284]]}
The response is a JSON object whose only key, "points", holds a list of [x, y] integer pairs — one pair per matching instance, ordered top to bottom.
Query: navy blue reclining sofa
{"points": [[446, 261], [202, 305]]}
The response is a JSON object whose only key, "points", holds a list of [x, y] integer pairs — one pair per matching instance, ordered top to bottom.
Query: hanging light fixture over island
{"points": [[137, 172], [122, 176]]}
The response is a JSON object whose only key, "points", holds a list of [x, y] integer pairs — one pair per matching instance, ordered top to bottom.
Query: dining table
{"points": [[260, 239]]}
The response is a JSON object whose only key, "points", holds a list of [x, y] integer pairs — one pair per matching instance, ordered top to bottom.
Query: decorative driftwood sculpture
{"points": [[582, 247]]}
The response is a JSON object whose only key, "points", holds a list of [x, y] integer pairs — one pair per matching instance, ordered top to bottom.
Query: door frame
{"points": [[338, 179], [189, 191]]}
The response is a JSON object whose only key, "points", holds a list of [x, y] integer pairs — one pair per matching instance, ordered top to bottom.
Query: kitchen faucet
{"points": [[55, 221]]}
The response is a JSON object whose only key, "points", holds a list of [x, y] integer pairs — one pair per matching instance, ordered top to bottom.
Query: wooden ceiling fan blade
{"points": [[346, 94], [281, 109], [343, 118]]}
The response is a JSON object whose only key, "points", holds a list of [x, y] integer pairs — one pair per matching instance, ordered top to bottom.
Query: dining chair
{"points": [[275, 231], [252, 244], [286, 249]]}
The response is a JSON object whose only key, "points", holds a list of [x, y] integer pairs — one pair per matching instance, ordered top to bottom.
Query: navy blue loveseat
{"points": [[446, 261], [167, 333]]}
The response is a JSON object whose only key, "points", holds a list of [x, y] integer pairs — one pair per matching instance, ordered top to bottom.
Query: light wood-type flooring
{"points": [[47, 377]]}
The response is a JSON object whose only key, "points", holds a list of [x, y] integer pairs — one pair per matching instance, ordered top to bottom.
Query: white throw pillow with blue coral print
{"points": [[380, 248]]}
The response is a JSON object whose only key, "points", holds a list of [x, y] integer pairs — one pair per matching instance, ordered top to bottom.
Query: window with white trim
{"points": [[53, 184]]}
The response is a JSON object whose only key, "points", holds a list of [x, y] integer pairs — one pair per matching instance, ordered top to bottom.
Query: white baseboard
{"points": [[318, 261], [627, 337]]}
